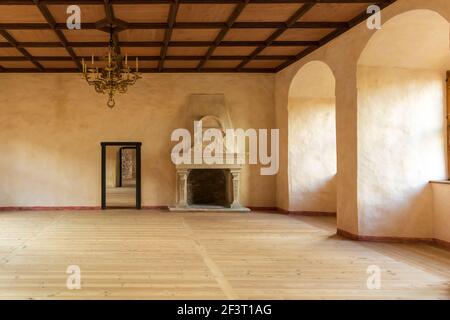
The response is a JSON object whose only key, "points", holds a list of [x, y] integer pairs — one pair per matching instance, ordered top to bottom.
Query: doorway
{"points": [[121, 175]]}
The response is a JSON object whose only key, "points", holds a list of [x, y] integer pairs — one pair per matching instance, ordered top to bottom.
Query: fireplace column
{"points": [[235, 174], [182, 176]]}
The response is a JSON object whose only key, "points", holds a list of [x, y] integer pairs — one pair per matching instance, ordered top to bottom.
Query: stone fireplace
{"points": [[208, 187]]}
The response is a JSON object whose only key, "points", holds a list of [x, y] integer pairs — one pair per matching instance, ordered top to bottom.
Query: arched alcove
{"points": [[401, 124], [312, 139]]}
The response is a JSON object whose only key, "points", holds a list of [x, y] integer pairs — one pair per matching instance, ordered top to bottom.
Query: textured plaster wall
{"points": [[342, 55], [401, 124], [52, 126], [312, 140], [402, 141], [441, 211]]}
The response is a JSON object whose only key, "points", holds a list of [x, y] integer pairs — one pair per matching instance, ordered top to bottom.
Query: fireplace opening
{"points": [[208, 187]]}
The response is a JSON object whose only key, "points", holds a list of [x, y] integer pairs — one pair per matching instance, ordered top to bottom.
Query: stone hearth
{"points": [[208, 187]]}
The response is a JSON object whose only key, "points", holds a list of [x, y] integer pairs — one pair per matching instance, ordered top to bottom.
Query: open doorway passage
{"points": [[121, 175]]}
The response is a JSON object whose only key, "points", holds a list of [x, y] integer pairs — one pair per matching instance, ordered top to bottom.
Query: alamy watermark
{"points": [[74, 19], [374, 21], [229, 139], [227, 146], [74, 279], [374, 280]]}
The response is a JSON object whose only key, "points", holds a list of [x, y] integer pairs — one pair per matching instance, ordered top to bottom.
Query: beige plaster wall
{"points": [[342, 55], [401, 124], [52, 126], [402, 139], [312, 140], [441, 211]]}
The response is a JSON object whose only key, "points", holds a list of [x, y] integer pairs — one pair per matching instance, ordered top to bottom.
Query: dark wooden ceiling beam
{"points": [[100, 2], [291, 21], [52, 24], [182, 25], [295, 25], [168, 34], [219, 38], [146, 44], [23, 51], [152, 58], [143, 70], [194, 70]]}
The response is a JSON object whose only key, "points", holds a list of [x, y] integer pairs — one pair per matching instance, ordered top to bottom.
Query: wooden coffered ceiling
{"points": [[173, 35]]}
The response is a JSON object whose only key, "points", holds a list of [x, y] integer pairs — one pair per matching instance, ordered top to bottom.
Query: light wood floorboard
{"points": [[129, 254]]}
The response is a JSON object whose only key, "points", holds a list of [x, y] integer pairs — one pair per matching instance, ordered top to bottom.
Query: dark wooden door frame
{"points": [[137, 146], [120, 162]]}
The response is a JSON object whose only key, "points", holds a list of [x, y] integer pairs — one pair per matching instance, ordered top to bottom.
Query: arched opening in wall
{"points": [[402, 124], [312, 140]]}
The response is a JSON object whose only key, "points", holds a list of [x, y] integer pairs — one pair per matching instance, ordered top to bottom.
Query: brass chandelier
{"points": [[115, 77]]}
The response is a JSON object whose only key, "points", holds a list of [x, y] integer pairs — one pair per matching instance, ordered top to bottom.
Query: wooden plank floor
{"points": [[121, 197], [160, 255]]}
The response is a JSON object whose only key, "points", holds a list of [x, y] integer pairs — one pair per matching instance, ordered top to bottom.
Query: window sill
{"points": [[441, 181]]}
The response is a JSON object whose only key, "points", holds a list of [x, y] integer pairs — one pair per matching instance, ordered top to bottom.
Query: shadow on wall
{"points": [[401, 124], [312, 139], [320, 196]]}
